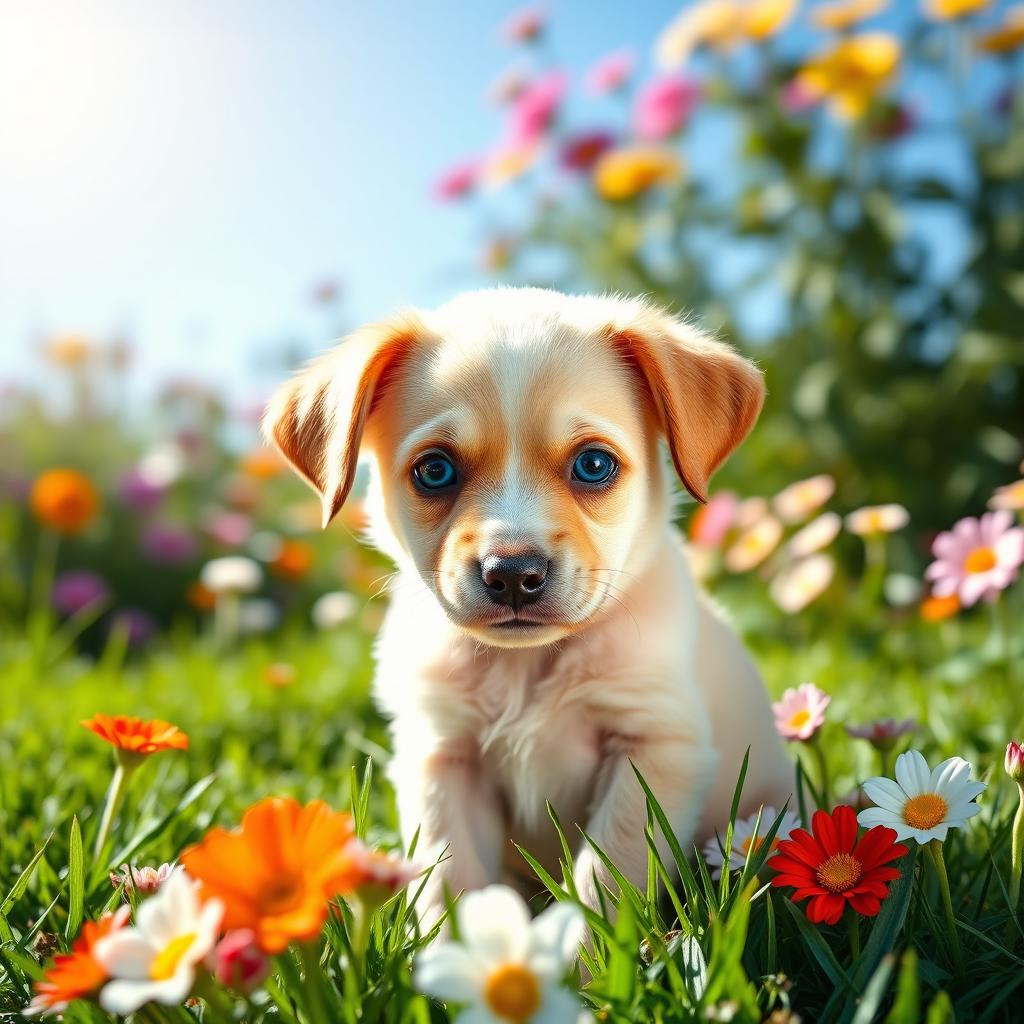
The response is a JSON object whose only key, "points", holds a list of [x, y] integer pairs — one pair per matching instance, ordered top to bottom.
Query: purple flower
{"points": [[581, 152], [139, 492], [167, 544], [73, 591], [136, 624]]}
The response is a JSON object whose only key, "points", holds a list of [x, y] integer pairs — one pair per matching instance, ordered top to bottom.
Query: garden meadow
{"points": [[193, 819]]}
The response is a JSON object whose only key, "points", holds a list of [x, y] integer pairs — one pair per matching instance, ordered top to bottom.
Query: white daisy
{"points": [[923, 804], [743, 837], [156, 960], [506, 968]]}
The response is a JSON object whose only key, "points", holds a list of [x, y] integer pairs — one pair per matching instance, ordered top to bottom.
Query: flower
{"points": [[948, 10], [844, 14], [720, 24], [525, 26], [1009, 36], [853, 72], [610, 73], [507, 86], [663, 106], [533, 111], [581, 152], [507, 162], [629, 171], [457, 181], [70, 350], [163, 465], [139, 492], [1010, 497], [64, 500], [795, 503], [872, 520], [711, 521], [228, 528], [817, 534], [167, 544], [754, 545], [977, 558], [293, 560], [233, 574], [797, 585], [75, 591], [201, 597], [333, 609], [936, 609], [257, 615], [136, 626], [279, 674], [801, 712], [137, 735], [882, 735], [1014, 760], [921, 805], [747, 833], [835, 869], [278, 872], [375, 876], [140, 880], [156, 960], [238, 963], [506, 967], [76, 975]]}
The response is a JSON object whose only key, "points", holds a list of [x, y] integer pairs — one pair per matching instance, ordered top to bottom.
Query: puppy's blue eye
{"points": [[594, 466], [434, 472]]}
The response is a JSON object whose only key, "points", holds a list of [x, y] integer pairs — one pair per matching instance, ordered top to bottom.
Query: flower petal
{"points": [[912, 773], [886, 794], [495, 923], [449, 972]]}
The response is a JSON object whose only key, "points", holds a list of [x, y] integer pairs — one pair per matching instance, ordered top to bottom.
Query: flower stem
{"points": [[822, 762], [115, 795], [934, 849], [1016, 861], [853, 923], [316, 1005]]}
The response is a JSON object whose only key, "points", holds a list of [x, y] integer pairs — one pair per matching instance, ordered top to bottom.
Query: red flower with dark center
{"points": [[835, 868]]}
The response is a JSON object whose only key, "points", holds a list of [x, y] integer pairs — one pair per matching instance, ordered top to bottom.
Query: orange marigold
{"points": [[262, 463], [64, 500], [293, 561], [935, 609], [137, 735], [278, 872], [76, 975]]}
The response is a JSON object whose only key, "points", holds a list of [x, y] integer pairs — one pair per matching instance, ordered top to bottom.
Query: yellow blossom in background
{"points": [[947, 10], [845, 14], [763, 18], [720, 24], [1009, 36], [853, 72], [508, 163], [627, 172], [68, 350], [1010, 497], [800, 500], [875, 519], [753, 546]]}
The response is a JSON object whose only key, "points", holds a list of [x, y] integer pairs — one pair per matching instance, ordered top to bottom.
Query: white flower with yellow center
{"points": [[872, 520], [923, 803], [745, 834], [155, 962], [506, 969]]}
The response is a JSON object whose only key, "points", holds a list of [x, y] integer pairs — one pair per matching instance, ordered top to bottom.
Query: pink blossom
{"points": [[524, 26], [610, 73], [796, 98], [663, 106], [533, 111], [457, 181], [711, 522], [230, 529], [977, 558], [801, 712], [882, 734], [1014, 762], [143, 881], [237, 962]]}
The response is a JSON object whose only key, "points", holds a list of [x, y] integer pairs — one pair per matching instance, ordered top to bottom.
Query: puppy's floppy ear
{"points": [[705, 395], [316, 420]]}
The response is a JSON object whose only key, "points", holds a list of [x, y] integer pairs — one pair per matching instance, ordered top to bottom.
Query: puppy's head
{"points": [[515, 440]]}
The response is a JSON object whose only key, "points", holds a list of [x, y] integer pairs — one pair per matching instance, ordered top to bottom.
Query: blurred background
{"points": [[195, 197]]}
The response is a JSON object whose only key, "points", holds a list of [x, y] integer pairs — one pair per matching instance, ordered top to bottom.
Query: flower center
{"points": [[980, 560], [801, 718], [925, 811], [757, 842], [840, 872], [281, 896], [165, 963], [512, 992]]}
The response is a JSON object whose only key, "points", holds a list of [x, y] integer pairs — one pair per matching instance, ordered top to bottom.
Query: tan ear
{"points": [[705, 395], [316, 420]]}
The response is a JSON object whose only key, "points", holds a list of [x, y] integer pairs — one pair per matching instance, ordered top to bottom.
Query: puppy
{"points": [[545, 632]]}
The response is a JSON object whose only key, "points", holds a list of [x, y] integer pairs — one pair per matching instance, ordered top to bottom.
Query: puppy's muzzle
{"points": [[515, 580]]}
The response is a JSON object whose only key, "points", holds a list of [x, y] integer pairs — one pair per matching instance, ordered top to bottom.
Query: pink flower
{"points": [[524, 26], [610, 73], [796, 98], [663, 106], [533, 111], [581, 152], [457, 181], [711, 521], [231, 529], [977, 558], [75, 591], [801, 712], [883, 734], [1014, 763], [375, 876], [143, 881], [237, 962]]}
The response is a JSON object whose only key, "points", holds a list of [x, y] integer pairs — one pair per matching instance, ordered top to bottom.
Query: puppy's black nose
{"points": [[515, 580]]}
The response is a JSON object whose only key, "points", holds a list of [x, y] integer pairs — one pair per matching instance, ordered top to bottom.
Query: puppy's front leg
{"points": [[679, 771]]}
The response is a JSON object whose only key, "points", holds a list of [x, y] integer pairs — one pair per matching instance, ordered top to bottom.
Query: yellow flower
{"points": [[947, 10], [844, 14], [763, 18], [720, 24], [1007, 37], [852, 72], [507, 163], [627, 172], [69, 350]]}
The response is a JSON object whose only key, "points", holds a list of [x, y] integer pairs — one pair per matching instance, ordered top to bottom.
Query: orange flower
{"points": [[947, 10], [1007, 37], [627, 172], [262, 463], [65, 500], [294, 560], [201, 597], [935, 609], [279, 674], [136, 735], [277, 874], [76, 975]]}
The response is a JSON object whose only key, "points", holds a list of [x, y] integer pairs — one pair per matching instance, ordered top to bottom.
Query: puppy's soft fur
{"points": [[497, 708]]}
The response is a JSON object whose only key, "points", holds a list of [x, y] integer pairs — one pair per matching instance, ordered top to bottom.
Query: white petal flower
{"points": [[231, 574], [333, 609], [923, 803], [743, 837], [155, 961], [506, 967]]}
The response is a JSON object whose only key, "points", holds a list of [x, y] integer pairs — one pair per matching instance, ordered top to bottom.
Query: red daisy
{"points": [[834, 868]]}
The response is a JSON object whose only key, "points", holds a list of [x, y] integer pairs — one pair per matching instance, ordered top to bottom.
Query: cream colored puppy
{"points": [[545, 629]]}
